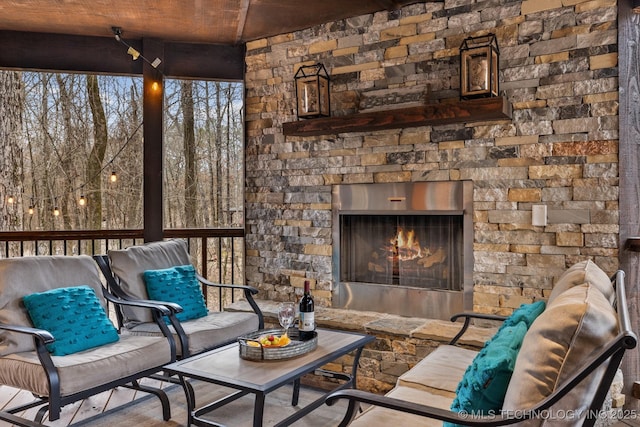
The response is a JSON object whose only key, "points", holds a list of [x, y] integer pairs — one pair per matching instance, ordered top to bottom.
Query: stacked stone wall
{"points": [[558, 68]]}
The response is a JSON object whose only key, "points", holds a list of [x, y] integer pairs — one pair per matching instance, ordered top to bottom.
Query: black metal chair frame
{"points": [[183, 338], [610, 356], [54, 402]]}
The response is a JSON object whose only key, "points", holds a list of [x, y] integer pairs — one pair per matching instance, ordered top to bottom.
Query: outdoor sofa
{"points": [[545, 366]]}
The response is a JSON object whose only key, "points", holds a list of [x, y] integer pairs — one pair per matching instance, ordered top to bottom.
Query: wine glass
{"points": [[286, 315]]}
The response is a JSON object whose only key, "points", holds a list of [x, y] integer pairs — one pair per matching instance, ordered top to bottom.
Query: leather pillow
{"points": [[584, 272], [576, 323]]}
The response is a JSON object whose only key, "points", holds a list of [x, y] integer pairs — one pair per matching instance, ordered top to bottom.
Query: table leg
{"points": [[354, 367], [349, 382], [296, 392], [190, 397], [258, 410]]}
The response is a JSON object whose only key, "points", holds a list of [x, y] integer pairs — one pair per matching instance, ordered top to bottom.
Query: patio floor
{"points": [[127, 407]]}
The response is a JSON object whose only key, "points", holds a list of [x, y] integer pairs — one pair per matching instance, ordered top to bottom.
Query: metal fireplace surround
{"points": [[441, 199]]}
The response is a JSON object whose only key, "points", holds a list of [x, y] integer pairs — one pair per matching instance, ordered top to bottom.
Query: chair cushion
{"points": [[128, 265], [584, 272], [27, 275], [180, 285], [73, 316], [576, 323], [213, 330], [90, 368], [440, 371], [484, 384], [383, 417]]}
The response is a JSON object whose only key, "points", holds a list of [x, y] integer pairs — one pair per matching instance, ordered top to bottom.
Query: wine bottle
{"points": [[307, 324]]}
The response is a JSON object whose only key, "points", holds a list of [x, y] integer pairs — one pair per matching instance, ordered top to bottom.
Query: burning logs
{"points": [[405, 253]]}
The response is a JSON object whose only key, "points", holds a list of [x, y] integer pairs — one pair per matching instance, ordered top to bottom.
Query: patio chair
{"points": [[196, 329], [57, 341]]}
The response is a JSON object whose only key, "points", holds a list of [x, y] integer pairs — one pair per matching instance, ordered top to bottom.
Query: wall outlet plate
{"points": [[539, 215]]}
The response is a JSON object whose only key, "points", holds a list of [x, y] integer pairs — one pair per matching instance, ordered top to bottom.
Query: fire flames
{"points": [[405, 247], [403, 252]]}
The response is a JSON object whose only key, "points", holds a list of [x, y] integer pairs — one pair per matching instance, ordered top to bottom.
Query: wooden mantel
{"points": [[497, 108]]}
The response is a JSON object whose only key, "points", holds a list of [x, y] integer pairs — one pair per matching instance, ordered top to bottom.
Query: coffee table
{"points": [[223, 366]]}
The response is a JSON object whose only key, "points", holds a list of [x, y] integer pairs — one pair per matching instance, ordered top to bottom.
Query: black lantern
{"points": [[479, 67], [312, 91]]}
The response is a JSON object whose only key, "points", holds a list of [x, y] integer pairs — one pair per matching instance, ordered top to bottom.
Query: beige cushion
{"points": [[128, 265], [584, 272], [27, 275], [575, 324], [213, 330], [86, 369], [440, 371], [382, 417]]}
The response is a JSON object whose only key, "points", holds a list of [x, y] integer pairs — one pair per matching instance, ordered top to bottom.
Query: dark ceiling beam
{"points": [[58, 52], [104, 55], [204, 61]]}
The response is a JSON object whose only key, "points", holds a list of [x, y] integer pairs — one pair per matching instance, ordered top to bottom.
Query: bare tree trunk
{"points": [[11, 105], [189, 141], [65, 151], [96, 156], [210, 156], [227, 162], [45, 182], [218, 187]]}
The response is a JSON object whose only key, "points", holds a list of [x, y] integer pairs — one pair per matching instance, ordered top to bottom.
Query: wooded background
{"points": [[63, 135]]}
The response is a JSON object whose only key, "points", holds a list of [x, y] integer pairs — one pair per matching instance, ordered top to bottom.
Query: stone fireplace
{"points": [[558, 150], [403, 248]]}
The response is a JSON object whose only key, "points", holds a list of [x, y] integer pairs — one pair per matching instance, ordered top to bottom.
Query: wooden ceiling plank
{"points": [[242, 19], [187, 21]]}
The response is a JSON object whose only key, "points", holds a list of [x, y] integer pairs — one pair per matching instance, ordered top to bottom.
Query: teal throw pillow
{"points": [[179, 285], [526, 313], [74, 316], [484, 383]]}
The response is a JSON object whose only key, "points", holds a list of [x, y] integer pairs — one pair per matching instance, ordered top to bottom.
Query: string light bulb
{"points": [[135, 53], [114, 176], [10, 199], [82, 201], [30, 209], [56, 211]]}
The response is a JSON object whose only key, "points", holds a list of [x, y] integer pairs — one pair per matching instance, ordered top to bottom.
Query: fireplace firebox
{"points": [[403, 248]]}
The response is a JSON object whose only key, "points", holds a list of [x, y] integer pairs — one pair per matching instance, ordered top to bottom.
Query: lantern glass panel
{"points": [[479, 67], [312, 92], [308, 97], [324, 97]]}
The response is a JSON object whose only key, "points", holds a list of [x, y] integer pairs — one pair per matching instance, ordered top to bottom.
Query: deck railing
{"points": [[217, 253]]}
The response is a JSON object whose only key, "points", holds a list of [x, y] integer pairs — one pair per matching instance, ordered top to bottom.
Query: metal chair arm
{"points": [[468, 315], [44, 336]]}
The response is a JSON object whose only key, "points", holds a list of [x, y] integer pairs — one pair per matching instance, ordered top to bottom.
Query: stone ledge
{"points": [[380, 323]]}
